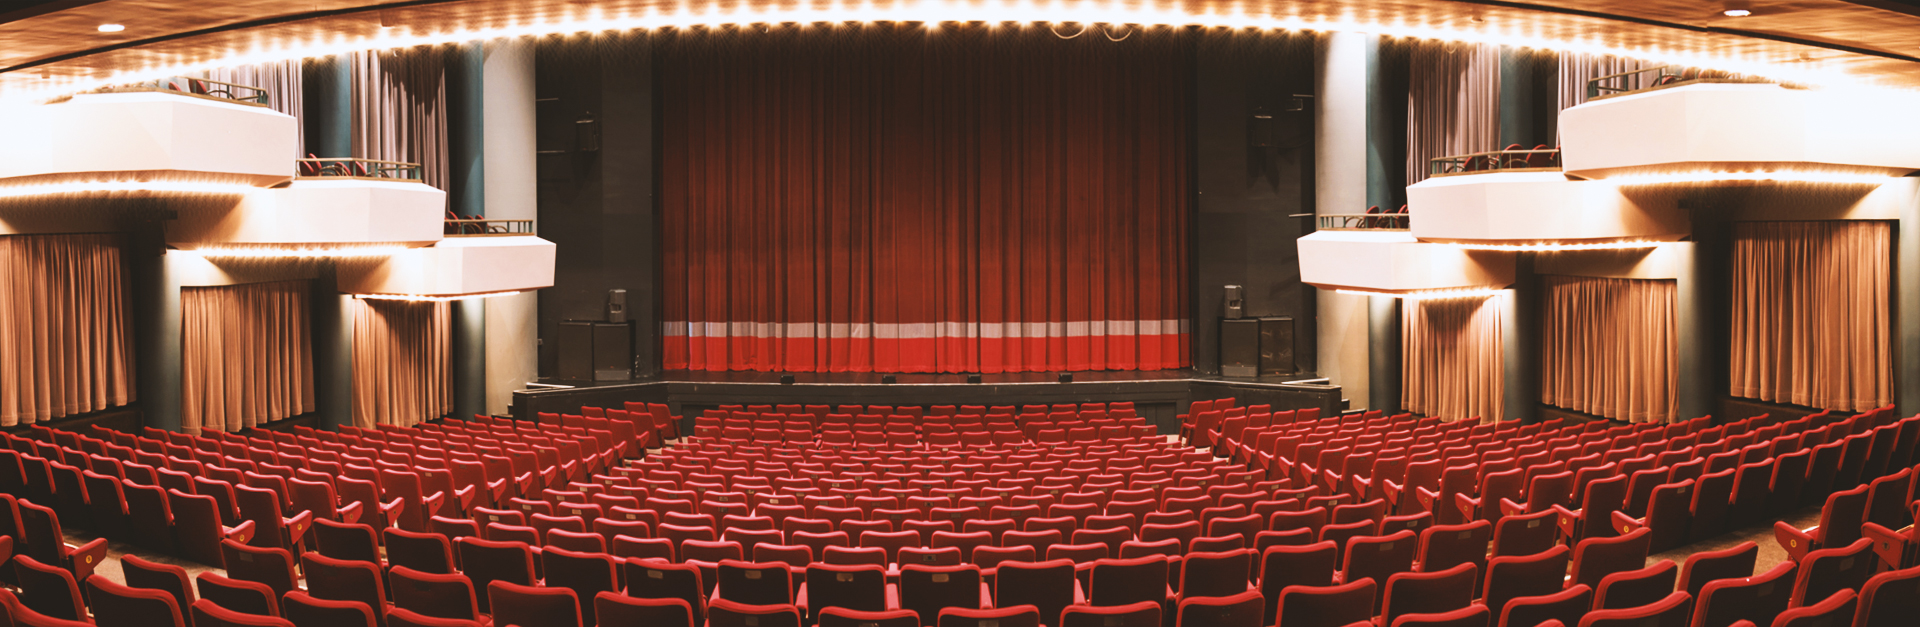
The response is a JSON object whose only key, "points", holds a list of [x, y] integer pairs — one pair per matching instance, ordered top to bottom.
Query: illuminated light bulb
{"points": [[1736, 12], [111, 28], [1561, 247], [295, 253], [1483, 292], [431, 299]]}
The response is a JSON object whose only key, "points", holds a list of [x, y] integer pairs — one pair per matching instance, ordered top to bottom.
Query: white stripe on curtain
{"points": [[1453, 102], [400, 108], [1812, 314], [64, 345], [1610, 347], [246, 355], [401, 355], [1451, 364]]}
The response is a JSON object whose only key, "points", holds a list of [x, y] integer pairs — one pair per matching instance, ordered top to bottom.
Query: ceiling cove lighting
{"points": [[935, 12], [111, 28], [1753, 177], [31, 190], [1556, 247], [263, 252], [1482, 292], [430, 299]]}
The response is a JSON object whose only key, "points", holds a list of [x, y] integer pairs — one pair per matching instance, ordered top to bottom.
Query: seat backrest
{"points": [[1446, 546], [1595, 558], [273, 567], [1827, 571], [1511, 577], [167, 578], [661, 579], [1047, 585], [855, 587], [1634, 588], [48, 589], [927, 589], [1428, 592], [434, 595], [246, 597], [1758, 598], [1326, 605], [533, 606], [614, 608], [304, 610], [1671, 610], [206, 613], [725, 613]]}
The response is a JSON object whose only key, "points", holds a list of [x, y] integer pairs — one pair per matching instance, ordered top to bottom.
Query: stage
{"points": [[1158, 395]]}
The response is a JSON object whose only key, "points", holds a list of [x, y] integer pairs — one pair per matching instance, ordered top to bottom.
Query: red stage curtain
{"points": [[903, 200]]}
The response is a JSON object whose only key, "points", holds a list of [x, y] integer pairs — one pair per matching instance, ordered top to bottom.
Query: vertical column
{"points": [[1387, 67], [327, 106], [1517, 111], [327, 127], [1340, 144], [509, 167], [466, 193], [1906, 276], [157, 331], [1520, 342], [1694, 394]]}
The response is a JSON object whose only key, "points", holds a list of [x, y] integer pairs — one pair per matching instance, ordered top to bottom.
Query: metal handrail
{"points": [[1663, 76], [204, 87], [1493, 160], [352, 168], [1363, 221], [483, 227]]}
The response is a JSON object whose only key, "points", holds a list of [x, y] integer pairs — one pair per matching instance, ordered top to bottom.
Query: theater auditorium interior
{"points": [[959, 313]]}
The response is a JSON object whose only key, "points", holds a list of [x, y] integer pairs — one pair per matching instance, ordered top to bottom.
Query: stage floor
{"points": [[874, 378]]}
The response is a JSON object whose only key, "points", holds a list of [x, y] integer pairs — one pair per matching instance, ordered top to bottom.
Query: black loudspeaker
{"points": [[1236, 303], [616, 305], [1276, 346], [1240, 348], [575, 350], [612, 351], [1066, 377], [973, 378], [786, 379], [889, 379]]}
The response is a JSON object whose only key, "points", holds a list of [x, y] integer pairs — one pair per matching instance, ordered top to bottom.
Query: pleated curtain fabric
{"points": [[1578, 68], [281, 79], [1453, 103], [400, 109], [885, 199], [1812, 317], [64, 344], [1610, 347], [246, 355], [401, 361], [1452, 366]]}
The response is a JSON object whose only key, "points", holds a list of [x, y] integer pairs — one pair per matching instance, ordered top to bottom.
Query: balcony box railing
{"points": [[1659, 78], [200, 87], [1510, 160], [313, 168], [1363, 222], [483, 227]]}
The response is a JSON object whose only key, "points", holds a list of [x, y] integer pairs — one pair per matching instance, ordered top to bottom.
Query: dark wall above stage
{"points": [[597, 206], [1241, 230]]}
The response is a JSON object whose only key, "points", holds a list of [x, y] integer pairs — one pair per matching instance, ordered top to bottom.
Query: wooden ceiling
{"points": [[59, 42]]}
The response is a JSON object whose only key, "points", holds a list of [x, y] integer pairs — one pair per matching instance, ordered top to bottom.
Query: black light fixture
{"points": [[1066, 377], [973, 378], [786, 379], [889, 379]]}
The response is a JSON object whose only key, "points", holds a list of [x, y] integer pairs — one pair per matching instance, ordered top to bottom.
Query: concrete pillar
{"points": [[1386, 69], [1341, 72], [1517, 110], [326, 116], [511, 189], [466, 195], [1906, 272], [330, 320], [157, 330], [1520, 342], [1694, 396]]}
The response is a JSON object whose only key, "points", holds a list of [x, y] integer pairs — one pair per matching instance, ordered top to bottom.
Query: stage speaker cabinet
{"points": [[1236, 302], [617, 306], [575, 344], [1276, 346], [1240, 347], [612, 351]]}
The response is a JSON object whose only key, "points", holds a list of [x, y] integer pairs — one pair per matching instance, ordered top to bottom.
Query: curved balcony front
{"points": [[147, 136], [1530, 208], [1391, 261], [455, 267]]}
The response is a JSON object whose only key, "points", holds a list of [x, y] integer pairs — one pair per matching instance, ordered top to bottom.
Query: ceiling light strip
{"points": [[935, 12], [1756, 177], [31, 190], [1556, 246], [297, 253], [1431, 294], [431, 299]]}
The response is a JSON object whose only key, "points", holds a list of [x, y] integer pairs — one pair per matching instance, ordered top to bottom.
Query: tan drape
{"points": [[1578, 68], [281, 79], [1453, 102], [400, 108], [1811, 315], [64, 345], [1610, 347], [246, 355], [401, 355], [1451, 361]]}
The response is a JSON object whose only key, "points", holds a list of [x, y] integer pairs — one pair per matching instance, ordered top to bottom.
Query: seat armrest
{"points": [[1391, 491], [464, 496], [1427, 498], [433, 502], [1468, 505], [1510, 508], [390, 511], [351, 513], [1569, 520], [1626, 524], [297, 526], [241, 533], [1797, 542], [1889, 544], [86, 556]]}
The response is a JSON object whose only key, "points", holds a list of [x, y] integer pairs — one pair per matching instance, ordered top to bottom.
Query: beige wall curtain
{"points": [[1578, 68], [280, 79], [1453, 102], [400, 108], [1811, 313], [64, 346], [1610, 347], [246, 355], [401, 355], [1451, 363]]}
